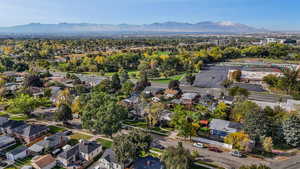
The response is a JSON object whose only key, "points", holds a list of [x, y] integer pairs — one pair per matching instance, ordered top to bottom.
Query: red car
{"points": [[215, 149]]}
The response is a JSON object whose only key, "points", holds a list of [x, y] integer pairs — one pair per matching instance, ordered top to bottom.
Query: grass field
{"points": [[167, 80], [55, 129], [78, 136], [104, 143]]}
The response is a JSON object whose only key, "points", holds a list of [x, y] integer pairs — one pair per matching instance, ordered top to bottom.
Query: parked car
{"points": [[68, 132], [157, 145], [199, 145], [215, 149], [56, 151], [236, 153], [3, 164]]}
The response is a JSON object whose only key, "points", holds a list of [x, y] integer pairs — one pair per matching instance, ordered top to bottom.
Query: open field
{"points": [[167, 80]]}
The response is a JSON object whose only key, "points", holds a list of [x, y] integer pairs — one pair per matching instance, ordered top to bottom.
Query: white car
{"points": [[199, 145], [236, 153]]}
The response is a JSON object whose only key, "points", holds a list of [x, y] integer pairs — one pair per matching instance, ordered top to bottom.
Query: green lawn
{"points": [[167, 80], [3, 113], [19, 117], [142, 124], [55, 129], [79, 136], [105, 143]]}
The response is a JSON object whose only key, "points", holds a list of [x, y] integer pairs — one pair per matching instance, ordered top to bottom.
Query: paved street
{"points": [[221, 159], [292, 163]]}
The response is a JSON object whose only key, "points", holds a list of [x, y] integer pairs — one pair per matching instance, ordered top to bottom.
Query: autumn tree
{"points": [[239, 140], [177, 157]]}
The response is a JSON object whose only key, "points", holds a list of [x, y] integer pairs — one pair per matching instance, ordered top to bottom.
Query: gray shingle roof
{"points": [[224, 125], [31, 130], [82, 147], [18, 150], [109, 155]]}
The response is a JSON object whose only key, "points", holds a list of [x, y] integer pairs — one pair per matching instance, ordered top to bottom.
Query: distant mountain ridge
{"points": [[201, 27]]}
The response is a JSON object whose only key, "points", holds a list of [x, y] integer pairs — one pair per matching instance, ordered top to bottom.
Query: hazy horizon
{"points": [[268, 14]]}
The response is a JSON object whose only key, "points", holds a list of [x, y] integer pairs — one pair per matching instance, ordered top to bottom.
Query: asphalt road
{"points": [[223, 159], [292, 163]]}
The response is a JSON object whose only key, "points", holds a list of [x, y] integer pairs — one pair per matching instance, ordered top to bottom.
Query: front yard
{"points": [[143, 125], [105, 143]]}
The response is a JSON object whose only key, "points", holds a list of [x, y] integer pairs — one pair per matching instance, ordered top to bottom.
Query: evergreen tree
{"points": [[291, 130]]}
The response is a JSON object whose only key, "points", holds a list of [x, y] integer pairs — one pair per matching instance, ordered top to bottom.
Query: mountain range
{"points": [[164, 27]]}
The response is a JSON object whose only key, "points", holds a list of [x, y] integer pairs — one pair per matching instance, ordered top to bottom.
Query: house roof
{"points": [[189, 96], [3, 120], [11, 124], [224, 125], [31, 130], [4, 140], [88, 146], [82, 147], [36, 148], [18, 150], [66, 154], [109, 155], [44, 161], [148, 162]]}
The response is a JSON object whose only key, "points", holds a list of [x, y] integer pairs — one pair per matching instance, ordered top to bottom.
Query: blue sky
{"points": [[270, 14]]}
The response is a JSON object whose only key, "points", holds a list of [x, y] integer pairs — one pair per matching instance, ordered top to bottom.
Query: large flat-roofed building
{"points": [[255, 74]]}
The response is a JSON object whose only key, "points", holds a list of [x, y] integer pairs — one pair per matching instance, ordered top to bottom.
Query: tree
{"points": [[236, 75], [124, 77], [190, 78], [290, 79], [33, 80], [115, 82], [174, 84], [104, 86], [127, 87], [238, 93], [63, 97], [25, 104], [240, 110], [222, 111], [63, 113], [102, 114], [153, 114], [257, 124], [291, 130], [238, 140], [268, 144], [132, 145], [177, 157], [255, 167]]}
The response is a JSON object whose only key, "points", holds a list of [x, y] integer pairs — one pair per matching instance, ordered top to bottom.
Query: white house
{"points": [[17, 153]]}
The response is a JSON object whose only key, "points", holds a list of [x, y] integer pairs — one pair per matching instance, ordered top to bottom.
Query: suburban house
{"points": [[153, 91], [172, 93], [189, 98], [11, 125], [222, 128], [30, 133], [6, 141], [50, 142], [17, 153], [81, 153], [108, 160], [44, 162], [148, 162]]}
